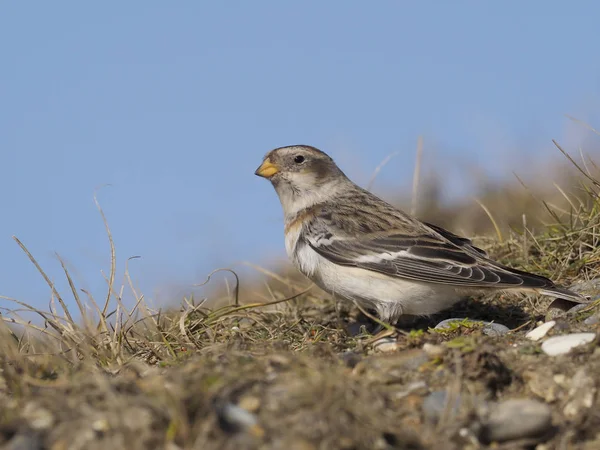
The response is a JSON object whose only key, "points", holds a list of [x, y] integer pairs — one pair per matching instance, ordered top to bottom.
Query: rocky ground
{"points": [[297, 379]]}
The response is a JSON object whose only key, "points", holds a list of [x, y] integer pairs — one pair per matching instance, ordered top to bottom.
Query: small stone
{"points": [[590, 287], [561, 307], [575, 309], [592, 320], [455, 322], [445, 324], [488, 328], [495, 329], [538, 333], [385, 345], [560, 345], [434, 351], [350, 358], [279, 360], [560, 379], [543, 385], [412, 388], [581, 394], [249, 403], [436, 403], [237, 415], [39, 418], [234, 418], [516, 419], [100, 425], [24, 442]]}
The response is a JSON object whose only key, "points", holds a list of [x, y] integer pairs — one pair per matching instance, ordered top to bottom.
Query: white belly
{"points": [[391, 297]]}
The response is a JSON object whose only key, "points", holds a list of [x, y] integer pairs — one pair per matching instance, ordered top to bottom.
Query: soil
{"points": [[298, 378]]}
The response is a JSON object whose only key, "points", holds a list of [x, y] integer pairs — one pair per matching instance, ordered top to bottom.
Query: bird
{"points": [[357, 247]]}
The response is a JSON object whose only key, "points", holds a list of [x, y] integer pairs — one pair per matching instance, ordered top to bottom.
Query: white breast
{"points": [[304, 258], [391, 297]]}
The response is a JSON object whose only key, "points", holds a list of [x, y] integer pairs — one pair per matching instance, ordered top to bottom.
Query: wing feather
{"points": [[435, 257]]}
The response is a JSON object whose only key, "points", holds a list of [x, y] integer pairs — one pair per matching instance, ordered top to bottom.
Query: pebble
{"points": [[590, 287], [561, 307], [575, 309], [592, 320], [489, 328], [495, 329], [538, 333], [385, 345], [559, 345], [434, 351], [350, 358], [560, 379], [543, 385], [411, 388], [581, 394], [249, 403], [436, 403], [39, 418], [234, 418], [516, 419], [100, 425], [24, 442]]}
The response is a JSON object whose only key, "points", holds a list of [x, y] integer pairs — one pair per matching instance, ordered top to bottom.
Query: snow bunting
{"points": [[357, 247]]}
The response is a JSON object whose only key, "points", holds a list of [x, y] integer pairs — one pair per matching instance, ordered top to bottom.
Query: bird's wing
{"points": [[457, 240], [427, 253]]}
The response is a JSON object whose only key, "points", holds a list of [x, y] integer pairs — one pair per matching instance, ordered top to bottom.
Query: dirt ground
{"points": [[297, 379]]}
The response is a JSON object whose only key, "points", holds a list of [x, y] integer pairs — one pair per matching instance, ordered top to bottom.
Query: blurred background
{"points": [[174, 104]]}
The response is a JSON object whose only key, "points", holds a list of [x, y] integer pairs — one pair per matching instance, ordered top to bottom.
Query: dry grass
{"points": [[285, 367]]}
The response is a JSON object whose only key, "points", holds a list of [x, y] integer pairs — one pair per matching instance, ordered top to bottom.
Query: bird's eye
{"points": [[298, 159]]}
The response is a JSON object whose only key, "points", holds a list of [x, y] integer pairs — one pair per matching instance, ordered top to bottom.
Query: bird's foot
{"points": [[366, 324]]}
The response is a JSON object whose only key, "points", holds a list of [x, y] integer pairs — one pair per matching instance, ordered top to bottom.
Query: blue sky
{"points": [[175, 103]]}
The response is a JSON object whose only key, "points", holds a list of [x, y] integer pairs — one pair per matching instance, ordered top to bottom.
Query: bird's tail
{"points": [[564, 293], [565, 298]]}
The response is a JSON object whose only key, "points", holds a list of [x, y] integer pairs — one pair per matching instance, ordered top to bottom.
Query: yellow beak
{"points": [[267, 169]]}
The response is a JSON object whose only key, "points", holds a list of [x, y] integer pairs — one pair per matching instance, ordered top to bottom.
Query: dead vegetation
{"points": [[297, 371]]}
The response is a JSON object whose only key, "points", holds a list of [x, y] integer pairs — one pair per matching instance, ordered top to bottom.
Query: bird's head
{"points": [[301, 175]]}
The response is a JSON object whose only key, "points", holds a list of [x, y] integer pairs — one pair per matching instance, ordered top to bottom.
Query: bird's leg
{"points": [[363, 323], [373, 326], [376, 329]]}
